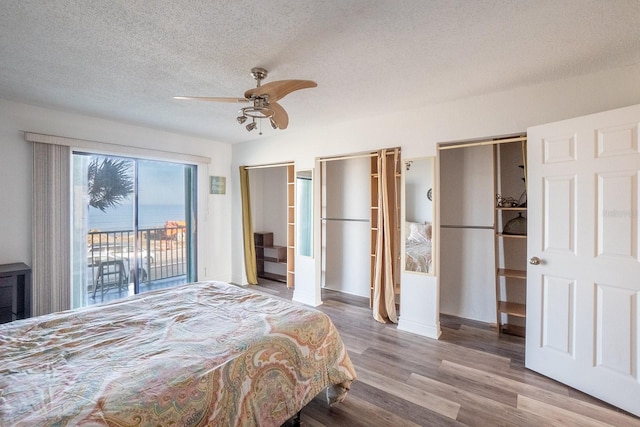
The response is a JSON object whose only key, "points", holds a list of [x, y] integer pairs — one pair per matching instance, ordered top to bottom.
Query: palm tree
{"points": [[110, 182]]}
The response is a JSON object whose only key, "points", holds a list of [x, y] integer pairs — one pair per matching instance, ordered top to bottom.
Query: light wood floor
{"points": [[468, 377]]}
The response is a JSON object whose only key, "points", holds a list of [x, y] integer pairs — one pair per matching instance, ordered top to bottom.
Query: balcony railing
{"points": [[160, 253]]}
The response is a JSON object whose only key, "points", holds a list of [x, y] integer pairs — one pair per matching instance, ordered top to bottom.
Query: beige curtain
{"points": [[51, 228], [247, 229], [384, 305]]}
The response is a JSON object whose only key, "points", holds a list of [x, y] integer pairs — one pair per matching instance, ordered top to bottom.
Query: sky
{"points": [[160, 183], [161, 188]]}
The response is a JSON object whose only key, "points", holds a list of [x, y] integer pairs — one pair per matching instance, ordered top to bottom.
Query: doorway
{"points": [[272, 199], [360, 202], [346, 204], [483, 231], [466, 272]]}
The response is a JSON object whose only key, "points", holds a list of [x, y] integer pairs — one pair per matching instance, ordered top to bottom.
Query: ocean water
{"points": [[121, 217]]}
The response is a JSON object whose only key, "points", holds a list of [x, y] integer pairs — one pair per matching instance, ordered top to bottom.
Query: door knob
{"points": [[534, 260]]}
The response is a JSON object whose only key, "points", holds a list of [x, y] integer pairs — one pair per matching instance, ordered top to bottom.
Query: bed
{"points": [[418, 247], [206, 353]]}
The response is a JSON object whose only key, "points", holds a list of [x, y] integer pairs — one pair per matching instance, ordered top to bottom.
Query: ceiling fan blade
{"points": [[279, 89], [212, 98], [280, 116]]}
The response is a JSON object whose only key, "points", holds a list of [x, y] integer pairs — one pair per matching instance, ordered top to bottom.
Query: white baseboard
{"points": [[429, 331]]}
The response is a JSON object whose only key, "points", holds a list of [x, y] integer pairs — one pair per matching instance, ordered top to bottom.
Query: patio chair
{"points": [[111, 274]]}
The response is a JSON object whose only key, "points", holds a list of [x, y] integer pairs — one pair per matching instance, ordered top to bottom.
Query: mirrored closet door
{"points": [[418, 215]]}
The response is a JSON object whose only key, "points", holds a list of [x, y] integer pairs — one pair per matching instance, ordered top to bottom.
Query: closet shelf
{"points": [[509, 169], [512, 236], [267, 252], [273, 259], [273, 276], [512, 308], [510, 329]]}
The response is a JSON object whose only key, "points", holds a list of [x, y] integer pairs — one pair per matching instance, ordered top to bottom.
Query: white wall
{"points": [[418, 132], [16, 161], [466, 197], [269, 202], [347, 228], [467, 282], [467, 286]]}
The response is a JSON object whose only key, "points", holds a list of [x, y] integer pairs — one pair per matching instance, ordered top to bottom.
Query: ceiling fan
{"points": [[263, 99]]}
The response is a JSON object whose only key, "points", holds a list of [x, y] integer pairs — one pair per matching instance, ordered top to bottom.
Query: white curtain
{"points": [[51, 228]]}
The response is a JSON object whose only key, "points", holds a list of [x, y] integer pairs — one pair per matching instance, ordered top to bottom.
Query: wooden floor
{"points": [[468, 377]]}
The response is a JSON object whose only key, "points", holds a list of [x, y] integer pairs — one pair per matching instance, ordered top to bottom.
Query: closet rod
{"points": [[477, 143], [357, 156], [273, 165], [345, 219], [477, 227]]}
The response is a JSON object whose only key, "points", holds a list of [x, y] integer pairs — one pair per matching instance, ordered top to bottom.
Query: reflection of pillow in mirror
{"points": [[418, 232]]}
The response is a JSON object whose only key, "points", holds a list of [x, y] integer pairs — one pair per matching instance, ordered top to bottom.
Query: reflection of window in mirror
{"points": [[304, 205], [418, 210]]}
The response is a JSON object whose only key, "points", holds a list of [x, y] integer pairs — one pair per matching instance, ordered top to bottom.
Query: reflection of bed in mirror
{"points": [[418, 215], [418, 247]]}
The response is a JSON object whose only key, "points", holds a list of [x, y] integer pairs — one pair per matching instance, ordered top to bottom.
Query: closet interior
{"points": [[510, 178], [345, 215], [273, 217], [350, 221], [352, 228], [483, 232]]}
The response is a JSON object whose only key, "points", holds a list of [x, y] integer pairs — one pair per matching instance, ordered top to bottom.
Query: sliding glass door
{"points": [[133, 226]]}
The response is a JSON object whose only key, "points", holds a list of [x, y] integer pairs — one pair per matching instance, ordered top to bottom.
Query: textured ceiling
{"points": [[124, 59]]}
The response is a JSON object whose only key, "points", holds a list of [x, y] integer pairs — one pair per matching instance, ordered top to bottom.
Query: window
{"points": [[133, 223]]}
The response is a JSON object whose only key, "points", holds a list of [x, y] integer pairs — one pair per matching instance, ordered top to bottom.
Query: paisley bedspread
{"points": [[206, 353]]}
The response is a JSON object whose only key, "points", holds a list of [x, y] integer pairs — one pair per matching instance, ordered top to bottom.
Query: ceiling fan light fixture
{"points": [[263, 100], [260, 110], [257, 112]]}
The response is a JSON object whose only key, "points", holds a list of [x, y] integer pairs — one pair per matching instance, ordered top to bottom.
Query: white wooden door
{"points": [[583, 298]]}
